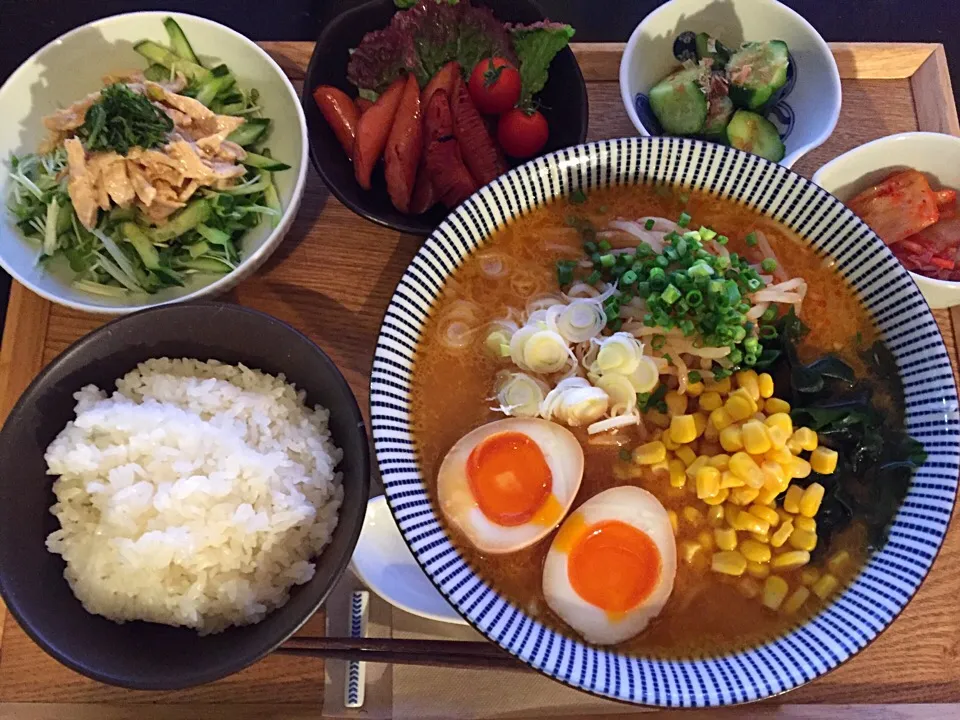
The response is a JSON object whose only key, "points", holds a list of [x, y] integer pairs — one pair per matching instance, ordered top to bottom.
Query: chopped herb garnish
{"points": [[122, 119], [578, 197], [684, 220], [751, 239]]}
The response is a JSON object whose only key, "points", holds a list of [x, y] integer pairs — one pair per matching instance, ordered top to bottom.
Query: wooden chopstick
{"points": [[440, 653]]}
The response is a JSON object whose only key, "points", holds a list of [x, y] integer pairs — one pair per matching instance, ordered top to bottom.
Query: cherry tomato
{"points": [[494, 85], [522, 134]]}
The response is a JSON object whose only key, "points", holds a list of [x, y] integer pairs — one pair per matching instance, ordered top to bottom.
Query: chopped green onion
{"points": [[578, 196], [684, 220], [649, 224], [706, 234], [723, 239], [751, 239], [604, 246], [590, 247], [644, 249], [608, 260], [663, 261], [768, 265], [565, 271], [629, 277], [594, 278], [754, 284], [670, 294], [694, 298], [769, 315], [768, 332], [658, 341], [735, 356], [749, 359], [694, 377]]}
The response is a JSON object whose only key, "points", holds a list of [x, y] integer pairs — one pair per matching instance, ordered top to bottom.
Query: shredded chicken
{"points": [[157, 181]]}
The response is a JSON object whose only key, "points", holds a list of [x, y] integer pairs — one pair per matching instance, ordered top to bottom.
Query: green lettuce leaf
{"points": [[536, 45]]}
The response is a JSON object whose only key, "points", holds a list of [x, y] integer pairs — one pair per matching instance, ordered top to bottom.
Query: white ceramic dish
{"points": [[71, 66], [805, 117], [934, 154], [385, 564]]}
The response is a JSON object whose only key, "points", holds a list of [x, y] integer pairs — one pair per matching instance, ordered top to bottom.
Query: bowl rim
{"points": [[627, 96], [904, 137], [417, 224], [249, 263], [342, 562], [471, 595]]}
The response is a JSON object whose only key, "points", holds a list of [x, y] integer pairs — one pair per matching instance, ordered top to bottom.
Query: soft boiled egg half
{"points": [[507, 484], [611, 566]]}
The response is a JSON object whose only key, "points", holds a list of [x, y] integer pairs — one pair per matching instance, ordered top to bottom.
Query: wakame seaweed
{"points": [[862, 419]]}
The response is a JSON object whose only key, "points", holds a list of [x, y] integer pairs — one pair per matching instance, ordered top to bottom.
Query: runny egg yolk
{"points": [[509, 478], [614, 566]]}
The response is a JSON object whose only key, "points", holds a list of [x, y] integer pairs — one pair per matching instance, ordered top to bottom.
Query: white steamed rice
{"points": [[195, 495]]}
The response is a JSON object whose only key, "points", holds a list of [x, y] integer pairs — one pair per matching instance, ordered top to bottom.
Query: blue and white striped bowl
{"points": [[891, 576]]}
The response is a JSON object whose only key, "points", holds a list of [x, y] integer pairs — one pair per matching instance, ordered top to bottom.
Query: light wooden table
{"points": [[333, 277]]}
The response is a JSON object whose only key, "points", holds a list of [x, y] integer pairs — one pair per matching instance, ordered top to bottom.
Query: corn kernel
{"points": [[749, 381], [765, 385], [720, 386], [694, 389], [710, 401], [676, 403], [760, 405], [776, 405], [739, 407], [720, 418], [782, 421], [699, 422], [682, 429], [778, 436], [806, 438], [731, 439], [756, 441], [669, 443], [652, 452], [686, 454], [782, 456], [823, 460], [720, 462], [694, 467], [660, 468], [746, 468], [799, 468], [773, 474], [678, 476], [729, 480], [708, 482], [744, 495], [767, 496], [717, 499], [811, 499], [791, 501], [730, 512], [766, 513], [692, 515], [715, 515], [784, 515], [674, 520], [801, 522], [751, 523], [782, 534], [763, 537], [705, 538], [726, 538], [803, 540], [689, 550], [755, 551], [790, 560], [728, 562], [838, 562], [758, 570], [809, 575], [825, 586], [749, 587], [774, 592], [795, 601]]}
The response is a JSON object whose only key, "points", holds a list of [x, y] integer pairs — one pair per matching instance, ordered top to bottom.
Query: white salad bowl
{"points": [[70, 67], [809, 107], [935, 155]]}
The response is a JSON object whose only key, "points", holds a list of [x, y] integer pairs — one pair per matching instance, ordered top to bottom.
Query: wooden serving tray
{"points": [[332, 279]]}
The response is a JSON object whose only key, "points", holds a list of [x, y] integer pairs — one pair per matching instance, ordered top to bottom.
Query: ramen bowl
{"points": [[855, 615]]}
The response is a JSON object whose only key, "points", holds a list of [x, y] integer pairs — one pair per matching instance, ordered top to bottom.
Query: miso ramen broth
{"points": [[455, 374]]}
